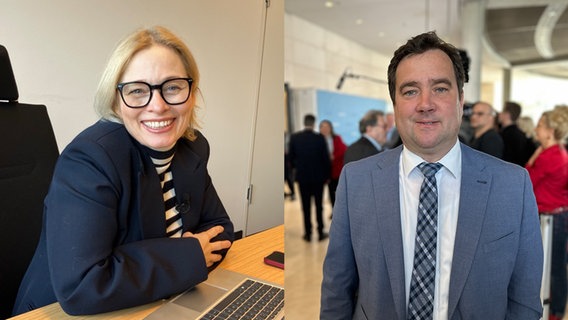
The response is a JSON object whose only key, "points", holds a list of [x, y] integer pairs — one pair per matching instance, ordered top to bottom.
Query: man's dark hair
{"points": [[418, 45], [465, 62], [514, 109], [369, 119], [309, 120]]}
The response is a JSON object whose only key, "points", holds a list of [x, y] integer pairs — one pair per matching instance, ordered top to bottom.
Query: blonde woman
{"points": [[131, 215]]}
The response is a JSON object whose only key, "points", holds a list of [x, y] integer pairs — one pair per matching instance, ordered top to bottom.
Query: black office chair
{"points": [[28, 152]]}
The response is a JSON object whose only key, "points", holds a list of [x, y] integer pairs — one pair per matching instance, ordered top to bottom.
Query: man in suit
{"points": [[373, 128], [517, 147], [310, 157], [487, 259]]}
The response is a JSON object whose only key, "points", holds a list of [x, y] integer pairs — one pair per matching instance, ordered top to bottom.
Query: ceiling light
{"points": [[329, 4], [359, 21], [544, 28]]}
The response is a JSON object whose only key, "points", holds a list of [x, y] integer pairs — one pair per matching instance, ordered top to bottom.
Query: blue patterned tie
{"points": [[421, 298]]}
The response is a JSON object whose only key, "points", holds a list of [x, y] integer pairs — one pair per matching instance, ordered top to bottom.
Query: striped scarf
{"points": [[162, 161]]}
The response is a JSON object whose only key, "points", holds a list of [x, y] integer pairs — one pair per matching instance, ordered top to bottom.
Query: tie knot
{"points": [[429, 169]]}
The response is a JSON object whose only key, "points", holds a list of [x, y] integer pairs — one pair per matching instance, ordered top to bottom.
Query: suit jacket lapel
{"points": [[184, 169], [386, 186], [474, 194], [150, 200]]}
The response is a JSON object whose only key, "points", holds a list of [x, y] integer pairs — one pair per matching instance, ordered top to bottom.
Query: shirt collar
{"points": [[451, 161]]}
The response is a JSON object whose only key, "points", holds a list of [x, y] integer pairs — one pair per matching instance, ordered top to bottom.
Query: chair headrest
{"points": [[8, 87]]}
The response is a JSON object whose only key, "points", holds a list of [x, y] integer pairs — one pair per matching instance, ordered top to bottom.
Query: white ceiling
{"points": [[383, 25]]}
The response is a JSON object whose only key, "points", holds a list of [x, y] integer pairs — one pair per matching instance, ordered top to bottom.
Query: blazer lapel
{"points": [[185, 168], [474, 194], [150, 200], [387, 207]]}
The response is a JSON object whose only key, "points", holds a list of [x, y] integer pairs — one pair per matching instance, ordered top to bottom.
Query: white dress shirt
{"points": [[448, 181]]}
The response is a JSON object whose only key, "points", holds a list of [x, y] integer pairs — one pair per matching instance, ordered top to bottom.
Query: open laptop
{"points": [[204, 300]]}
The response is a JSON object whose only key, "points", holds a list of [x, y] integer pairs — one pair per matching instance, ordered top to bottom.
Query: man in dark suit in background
{"points": [[373, 128], [518, 149], [310, 157]]}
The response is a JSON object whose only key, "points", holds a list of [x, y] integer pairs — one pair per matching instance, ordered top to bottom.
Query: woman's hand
{"points": [[209, 247]]}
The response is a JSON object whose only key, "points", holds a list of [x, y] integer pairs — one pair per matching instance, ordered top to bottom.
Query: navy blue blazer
{"points": [[103, 245], [498, 257]]}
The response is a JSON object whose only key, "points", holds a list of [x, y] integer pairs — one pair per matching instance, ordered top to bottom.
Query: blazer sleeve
{"points": [[211, 210], [93, 268], [340, 278]]}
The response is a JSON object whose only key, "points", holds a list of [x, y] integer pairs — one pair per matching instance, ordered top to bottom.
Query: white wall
{"points": [[59, 48], [315, 57], [537, 93], [266, 207]]}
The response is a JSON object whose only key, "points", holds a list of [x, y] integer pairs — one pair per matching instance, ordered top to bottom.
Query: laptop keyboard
{"points": [[251, 300]]}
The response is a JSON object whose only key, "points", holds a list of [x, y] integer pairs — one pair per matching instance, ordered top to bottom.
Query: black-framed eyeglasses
{"points": [[138, 94]]}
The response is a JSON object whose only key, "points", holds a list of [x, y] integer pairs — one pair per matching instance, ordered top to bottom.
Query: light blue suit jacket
{"points": [[498, 256]]}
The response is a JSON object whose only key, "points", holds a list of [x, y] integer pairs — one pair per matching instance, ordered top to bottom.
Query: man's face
{"points": [[428, 107], [481, 116], [503, 117], [378, 131]]}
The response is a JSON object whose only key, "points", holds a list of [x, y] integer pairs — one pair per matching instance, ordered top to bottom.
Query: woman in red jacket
{"points": [[336, 149], [548, 169]]}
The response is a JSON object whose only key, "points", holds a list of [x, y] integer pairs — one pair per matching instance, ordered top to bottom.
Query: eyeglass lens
{"points": [[139, 94]]}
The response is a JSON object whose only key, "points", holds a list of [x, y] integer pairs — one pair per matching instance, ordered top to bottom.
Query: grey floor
{"points": [[304, 262]]}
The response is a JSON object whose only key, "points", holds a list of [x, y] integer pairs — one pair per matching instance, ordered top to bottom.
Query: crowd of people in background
{"points": [[542, 151]]}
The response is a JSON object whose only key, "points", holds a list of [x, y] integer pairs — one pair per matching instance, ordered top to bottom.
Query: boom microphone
{"points": [[340, 82]]}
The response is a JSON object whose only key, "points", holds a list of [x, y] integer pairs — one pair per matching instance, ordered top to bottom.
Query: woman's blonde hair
{"points": [[106, 97], [557, 119], [526, 124]]}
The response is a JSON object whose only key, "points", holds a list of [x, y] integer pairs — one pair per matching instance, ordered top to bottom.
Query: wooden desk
{"points": [[245, 256]]}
